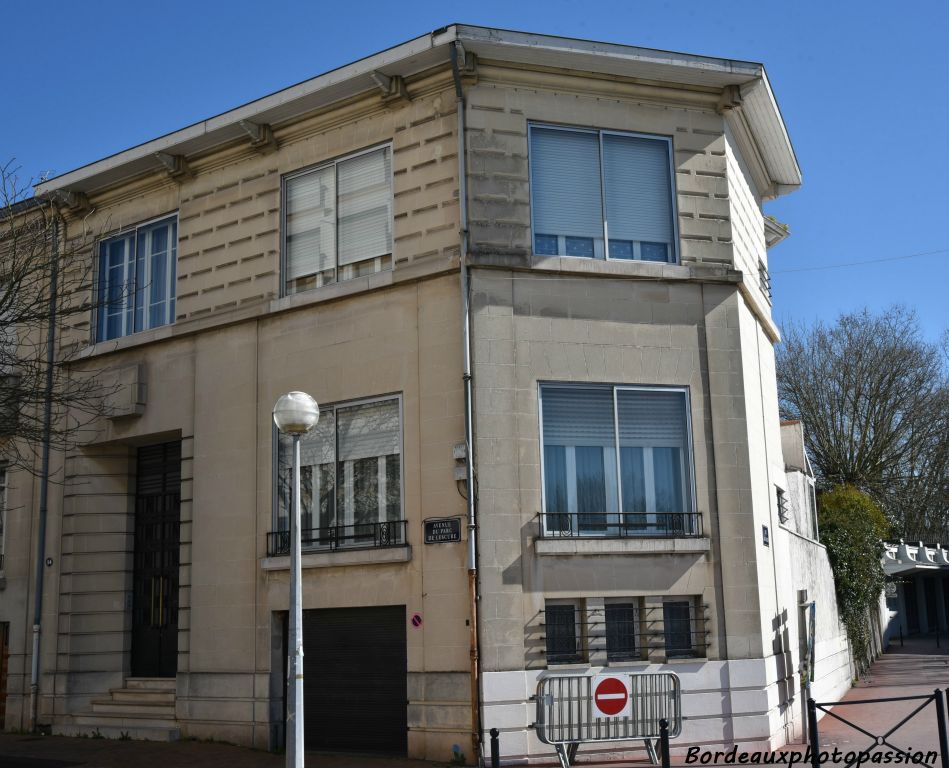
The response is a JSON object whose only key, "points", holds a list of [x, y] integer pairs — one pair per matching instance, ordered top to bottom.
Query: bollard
{"points": [[901, 635], [941, 722], [813, 736], [495, 748], [665, 761]]}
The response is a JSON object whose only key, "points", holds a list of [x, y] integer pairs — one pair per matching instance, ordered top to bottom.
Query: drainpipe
{"points": [[469, 430], [44, 479]]}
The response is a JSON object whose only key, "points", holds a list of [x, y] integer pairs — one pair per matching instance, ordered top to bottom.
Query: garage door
{"points": [[354, 684]]}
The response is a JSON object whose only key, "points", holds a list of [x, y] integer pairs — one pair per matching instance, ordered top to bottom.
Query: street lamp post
{"points": [[295, 414]]}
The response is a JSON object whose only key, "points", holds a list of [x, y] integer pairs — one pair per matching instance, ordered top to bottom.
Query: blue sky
{"points": [[863, 86]]}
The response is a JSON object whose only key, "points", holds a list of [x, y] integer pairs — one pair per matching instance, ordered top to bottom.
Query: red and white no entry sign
{"points": [[611, 696]]}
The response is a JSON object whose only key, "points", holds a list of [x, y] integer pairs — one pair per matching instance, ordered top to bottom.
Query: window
{"points": [[602, 194], [338, 220], [136, 288], [616, 461], [350, 478], [812, 510], [784, 512], [677, 621], [622, 626], [562, 632]]}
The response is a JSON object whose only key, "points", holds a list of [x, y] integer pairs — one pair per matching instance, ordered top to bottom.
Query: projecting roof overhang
{"points": [[758, 106]]}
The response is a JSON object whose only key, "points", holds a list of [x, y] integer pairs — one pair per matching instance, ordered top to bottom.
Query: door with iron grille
{"points": [[155, 576]]}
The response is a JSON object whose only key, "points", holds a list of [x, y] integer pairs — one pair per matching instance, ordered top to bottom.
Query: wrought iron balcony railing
{"points": [[620, 525], [388, 533]]}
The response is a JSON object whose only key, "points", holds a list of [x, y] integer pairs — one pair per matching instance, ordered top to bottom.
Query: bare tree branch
{"points": [[874, 398]]}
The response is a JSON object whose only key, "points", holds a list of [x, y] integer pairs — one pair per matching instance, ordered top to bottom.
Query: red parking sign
{"points": [[611, 696]]}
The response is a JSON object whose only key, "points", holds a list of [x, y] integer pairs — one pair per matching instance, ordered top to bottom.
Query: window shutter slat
{"points": [[565, 171], [638, 189], [365, 207], [311, 223], [578, 416], [651, 418], [366, 431]]}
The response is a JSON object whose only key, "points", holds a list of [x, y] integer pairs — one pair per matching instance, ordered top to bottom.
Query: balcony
{"points": [[557, 525], [613, 533], [382, 535]]}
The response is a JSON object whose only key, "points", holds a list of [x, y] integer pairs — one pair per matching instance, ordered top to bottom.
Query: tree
{"points": [[46, 269], [874, 399], [852, 528]]}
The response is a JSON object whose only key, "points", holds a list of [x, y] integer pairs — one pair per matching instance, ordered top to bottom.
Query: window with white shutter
{"points": [[602, 194], [337, 220]]}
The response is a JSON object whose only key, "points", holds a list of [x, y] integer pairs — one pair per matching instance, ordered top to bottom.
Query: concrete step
{"points": [[152, 683], [142, 694], [134, 708], [123, 721], [139, 733]]}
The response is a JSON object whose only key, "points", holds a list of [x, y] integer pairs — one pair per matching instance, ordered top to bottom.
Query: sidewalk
{"points": [[916, 669], [913, 670], [30, 751]]}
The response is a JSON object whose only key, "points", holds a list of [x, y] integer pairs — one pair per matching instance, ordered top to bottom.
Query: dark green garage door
{"points": [[354, 679]]}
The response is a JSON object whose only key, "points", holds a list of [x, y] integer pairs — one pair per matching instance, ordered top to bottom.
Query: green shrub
{"points": [[853, 527]]}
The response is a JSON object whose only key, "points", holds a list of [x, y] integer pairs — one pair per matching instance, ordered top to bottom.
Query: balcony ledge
{"points": [[638, 546], [380, 556]]}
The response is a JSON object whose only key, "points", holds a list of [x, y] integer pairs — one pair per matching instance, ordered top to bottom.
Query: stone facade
{"points": [[701, 324]]}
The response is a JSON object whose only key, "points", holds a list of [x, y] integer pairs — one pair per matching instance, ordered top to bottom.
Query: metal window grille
{"points": [[764, 280], [784, 512], [621, 525], [379, 535], [621, 630], [627, 630], [562, 634]]}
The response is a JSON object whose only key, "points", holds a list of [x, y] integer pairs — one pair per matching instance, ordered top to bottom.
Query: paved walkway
{"points": [[916, 669], [29, 751]]}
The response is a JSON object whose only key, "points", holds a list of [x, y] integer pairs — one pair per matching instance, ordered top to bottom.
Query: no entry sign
{"points": [[611, 696]]}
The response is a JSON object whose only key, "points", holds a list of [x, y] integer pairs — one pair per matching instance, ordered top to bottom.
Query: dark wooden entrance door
{"points": [[155, 576]]}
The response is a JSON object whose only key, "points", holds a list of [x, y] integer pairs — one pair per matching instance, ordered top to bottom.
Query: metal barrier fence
{"points": [[566, 715]]}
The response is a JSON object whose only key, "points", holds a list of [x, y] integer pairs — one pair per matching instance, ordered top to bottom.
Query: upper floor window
{"points": [[602, 194], [338, 220], [136, 287], [617, 461], [350, 478]]}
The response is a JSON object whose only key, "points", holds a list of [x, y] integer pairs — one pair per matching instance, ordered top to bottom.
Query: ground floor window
{"points": [[350, 476], [624, 629]]}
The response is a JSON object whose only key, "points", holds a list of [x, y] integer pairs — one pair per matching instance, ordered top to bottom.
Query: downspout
{"points": [[469, 429], [44, 480]]}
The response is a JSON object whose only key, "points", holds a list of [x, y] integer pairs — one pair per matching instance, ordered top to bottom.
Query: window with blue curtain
{"points": [[602, 194], [136, 281], [616, 460]]}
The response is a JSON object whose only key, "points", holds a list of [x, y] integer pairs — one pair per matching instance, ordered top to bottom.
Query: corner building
{"points": [[603, 206]]}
